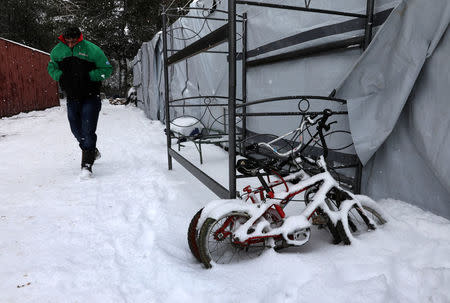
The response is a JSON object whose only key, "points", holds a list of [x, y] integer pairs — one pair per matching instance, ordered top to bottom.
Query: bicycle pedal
{"points": [[295, 180], [319, 220], [281, 246]]}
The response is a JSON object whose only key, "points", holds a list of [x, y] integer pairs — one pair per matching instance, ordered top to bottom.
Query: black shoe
{"points": [[98, 155], [87, 159], [87, 167], [86, 172]]}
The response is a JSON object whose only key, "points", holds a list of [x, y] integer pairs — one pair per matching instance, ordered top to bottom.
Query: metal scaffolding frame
{"points": [[228, 34]]}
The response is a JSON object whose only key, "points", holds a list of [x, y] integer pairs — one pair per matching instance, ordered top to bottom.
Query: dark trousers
{"points": [[83, 117]]}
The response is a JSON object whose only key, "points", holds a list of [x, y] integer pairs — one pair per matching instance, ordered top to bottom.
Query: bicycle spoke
{"points": [[220, 248]]}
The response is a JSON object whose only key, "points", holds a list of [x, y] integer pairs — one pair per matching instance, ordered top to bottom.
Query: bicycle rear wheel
{"points": [[192, 235], [216, 242]]}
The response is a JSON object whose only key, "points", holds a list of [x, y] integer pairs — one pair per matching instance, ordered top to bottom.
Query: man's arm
{"points": [[103, 67], [53, 69]]}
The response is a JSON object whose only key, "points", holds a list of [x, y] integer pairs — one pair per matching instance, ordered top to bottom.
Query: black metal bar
{"points": [[297, 8], [186, 10], [198, 17], [380, 17], [369, 23], [318, 33], [367, 39], [209, 41], [314, 50], [212, 52], [244, 77], [166, 92], [202, 97], [232, 98], [283, 98], [198, 105], [288, 114], [225, 121], [216, 136], [358, 177], [215, 187]]}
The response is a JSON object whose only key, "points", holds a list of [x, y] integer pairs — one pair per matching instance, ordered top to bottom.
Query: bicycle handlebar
{"points": [[323, 126]]}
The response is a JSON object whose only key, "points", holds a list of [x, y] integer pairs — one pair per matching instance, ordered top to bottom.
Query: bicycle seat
{"points": [[269, 152]]}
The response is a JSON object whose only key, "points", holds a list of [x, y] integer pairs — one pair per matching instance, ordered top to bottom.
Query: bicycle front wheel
{"points": [[360, 221], [216, 243]]}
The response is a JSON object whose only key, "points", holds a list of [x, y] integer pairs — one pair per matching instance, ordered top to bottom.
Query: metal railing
{"points": [[227, 33]]}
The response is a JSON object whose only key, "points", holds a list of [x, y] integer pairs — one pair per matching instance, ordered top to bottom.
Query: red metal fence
{"points": [[25, 84]]}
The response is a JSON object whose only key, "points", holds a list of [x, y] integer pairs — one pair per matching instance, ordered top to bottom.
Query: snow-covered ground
{"points": [[121, 236]]}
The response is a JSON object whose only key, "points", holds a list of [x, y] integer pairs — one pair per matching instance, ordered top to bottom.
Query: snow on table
{"points": [[186, 125]]}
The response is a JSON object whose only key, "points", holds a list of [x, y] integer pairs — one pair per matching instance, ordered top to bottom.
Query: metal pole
{"points": [[299, 8], [197, 17], [369, 23], [367, 39], [244, 78], [166, 90], [232, 98], [225, 120], [358, 178]]}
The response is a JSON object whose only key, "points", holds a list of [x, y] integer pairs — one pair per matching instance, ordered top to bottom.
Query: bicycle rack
{"points": [[227, 33]]}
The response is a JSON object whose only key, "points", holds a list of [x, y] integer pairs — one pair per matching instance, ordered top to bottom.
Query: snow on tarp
{"points": [[381, 81]]}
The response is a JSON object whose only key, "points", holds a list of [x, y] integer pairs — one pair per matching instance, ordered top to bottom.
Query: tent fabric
{"points": [[148, 78], [380, 83], [398, 102], [402, 136], [413, 164]]}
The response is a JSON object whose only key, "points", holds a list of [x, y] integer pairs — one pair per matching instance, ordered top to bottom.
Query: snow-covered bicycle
{"points": [[227, 231]]}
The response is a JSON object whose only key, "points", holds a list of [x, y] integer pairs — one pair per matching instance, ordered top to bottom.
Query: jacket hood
{"points": [[61, 38]]}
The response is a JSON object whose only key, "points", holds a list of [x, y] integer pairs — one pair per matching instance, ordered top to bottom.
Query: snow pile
{"points": [[121, 236]]}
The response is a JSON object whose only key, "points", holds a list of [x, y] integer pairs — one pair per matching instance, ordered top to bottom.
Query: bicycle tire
{"points": [[360, 223], [330, 226], [334, 232], [192, 235], [225, 251]]}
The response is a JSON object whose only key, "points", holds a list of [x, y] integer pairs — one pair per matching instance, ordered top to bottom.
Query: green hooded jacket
{"points": [[79, 70]]}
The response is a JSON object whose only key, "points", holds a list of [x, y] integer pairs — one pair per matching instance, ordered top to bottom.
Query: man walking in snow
{"points": [[80, 66]]}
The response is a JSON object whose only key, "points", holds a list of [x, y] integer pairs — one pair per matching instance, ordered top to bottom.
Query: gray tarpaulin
{"points": [[392, 71], [382, 79], [399, 106], [413, 164]]}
